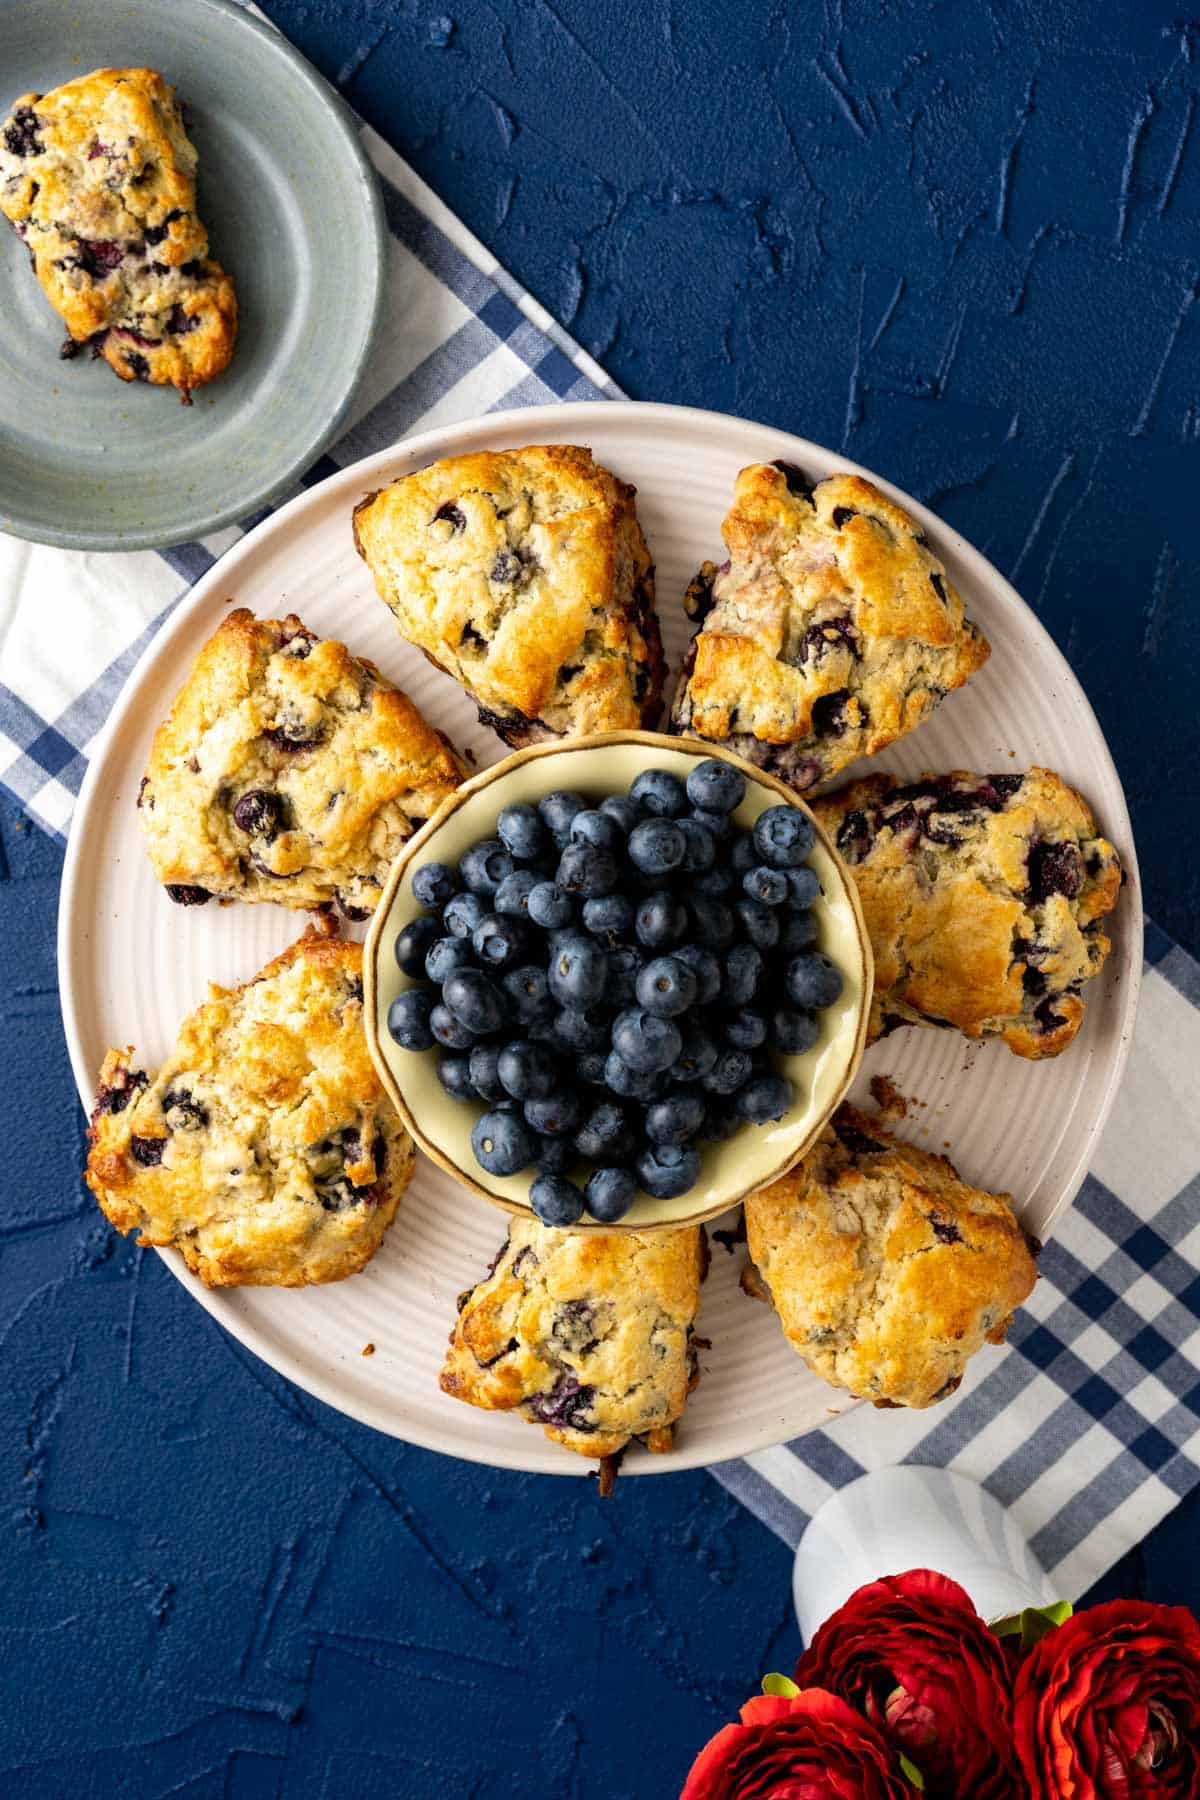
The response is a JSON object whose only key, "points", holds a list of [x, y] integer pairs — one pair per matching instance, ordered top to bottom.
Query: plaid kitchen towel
{"points": [[1088, 1424]]}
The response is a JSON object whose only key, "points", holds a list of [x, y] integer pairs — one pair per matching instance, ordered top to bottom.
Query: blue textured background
{"points": [[961, 241]]}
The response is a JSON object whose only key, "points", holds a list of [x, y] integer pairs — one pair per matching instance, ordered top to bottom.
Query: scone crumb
{"points": [[888, 1098], [368, 1349]]}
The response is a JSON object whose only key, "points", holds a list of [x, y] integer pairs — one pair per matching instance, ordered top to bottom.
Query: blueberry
{"points": [[716, 785], [659, 792], [621, 809], [557, 810], [261, 813], [718, 823], [597, 828], [521, 831], [783, 837], [657, 846], [700, 847], [743, 855], [485, 865], [587, 869], [434, 883], [715, 883], [803, 885], [768, 886], [184, 893], [512, 896], [549, 907], [462, 915], [609, 916], [661, 920], [711, 921], [759, 923], [798, 929], [414, 942], [500, 943], [446, 954], [624, 965], [705, 968], [577, 973], [741, 975], [813, 981], [667, 986], [527, 992], [474, 1001], [408, 1020], [745, 1029], [449, 1031], [577, 1032], [793, 1033], [646, 1043], [697, 1056], [590, 1068], [527, 1070], [731, 1071], [485, 1072], [454, 1073], [630, 1084], [766, 1097], [553, 1115], [675, 1119], [720, 1121], [604, 1133], [502, 1142], [552, 1155], [668, 1170], [609, 1194], [555, 1200]]}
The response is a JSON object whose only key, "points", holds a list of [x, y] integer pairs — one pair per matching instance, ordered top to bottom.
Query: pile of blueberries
{"points": [[610, 977]]}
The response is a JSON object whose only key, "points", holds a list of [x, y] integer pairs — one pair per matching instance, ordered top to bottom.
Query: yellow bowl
{"points": [[594, 767]]}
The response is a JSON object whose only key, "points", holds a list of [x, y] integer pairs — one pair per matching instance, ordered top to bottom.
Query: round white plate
{"points": [[132, 964]]}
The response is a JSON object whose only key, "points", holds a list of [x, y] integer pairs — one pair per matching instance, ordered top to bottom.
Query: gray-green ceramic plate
{"points": [[294, 214]]}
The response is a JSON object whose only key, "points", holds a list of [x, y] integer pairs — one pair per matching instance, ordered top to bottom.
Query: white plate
{"points": [[132, 964]]}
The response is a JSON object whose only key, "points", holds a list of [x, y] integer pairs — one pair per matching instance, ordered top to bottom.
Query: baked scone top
{"points": [[99, 179], [525, 575], [832, 630], [288, 770], [984, 897], [264, 1150], [887, 1271], [588, 1332]]}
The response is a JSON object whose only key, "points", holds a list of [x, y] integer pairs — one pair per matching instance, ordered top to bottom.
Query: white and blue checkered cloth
{"points": [[1088, 1423]]}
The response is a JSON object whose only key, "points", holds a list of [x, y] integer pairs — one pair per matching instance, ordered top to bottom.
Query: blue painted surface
{"points": [[960, 241]]}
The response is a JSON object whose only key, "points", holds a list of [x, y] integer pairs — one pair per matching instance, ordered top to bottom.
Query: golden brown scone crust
{"points": [[99, 179], [525, 575], [832, 630], [340, 766], [984, 897], [265, 1150], [887, 1271], [587, 1332]]}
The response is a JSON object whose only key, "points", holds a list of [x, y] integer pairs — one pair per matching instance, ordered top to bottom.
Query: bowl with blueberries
{"points": [[618, 982]]}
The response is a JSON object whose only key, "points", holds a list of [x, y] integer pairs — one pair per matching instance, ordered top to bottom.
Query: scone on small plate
{"points": [[99, 180], [524, 575], [831, 631], [288, 770], [984, 897], [264, 1150], [887, 1271], [588, 1333]]}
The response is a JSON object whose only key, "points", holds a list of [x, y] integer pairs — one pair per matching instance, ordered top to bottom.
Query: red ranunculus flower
{"points": [[912, 1654], [1108, 1706], [811, 1748]]}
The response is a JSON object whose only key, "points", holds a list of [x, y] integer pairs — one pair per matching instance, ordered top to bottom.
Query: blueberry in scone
{"points": [[99, 180], [524, 575], [831, 631], [288, 770], [984, 897], [264, 1150], [887, 1271], [588, 1333]]}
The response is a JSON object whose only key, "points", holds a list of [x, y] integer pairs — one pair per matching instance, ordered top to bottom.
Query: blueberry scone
{"points": [[99, 179], [525, 575], [831, 631], [288, 770], [984, 896], [264, 1150], [887, 1271], [589, 1333]]}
